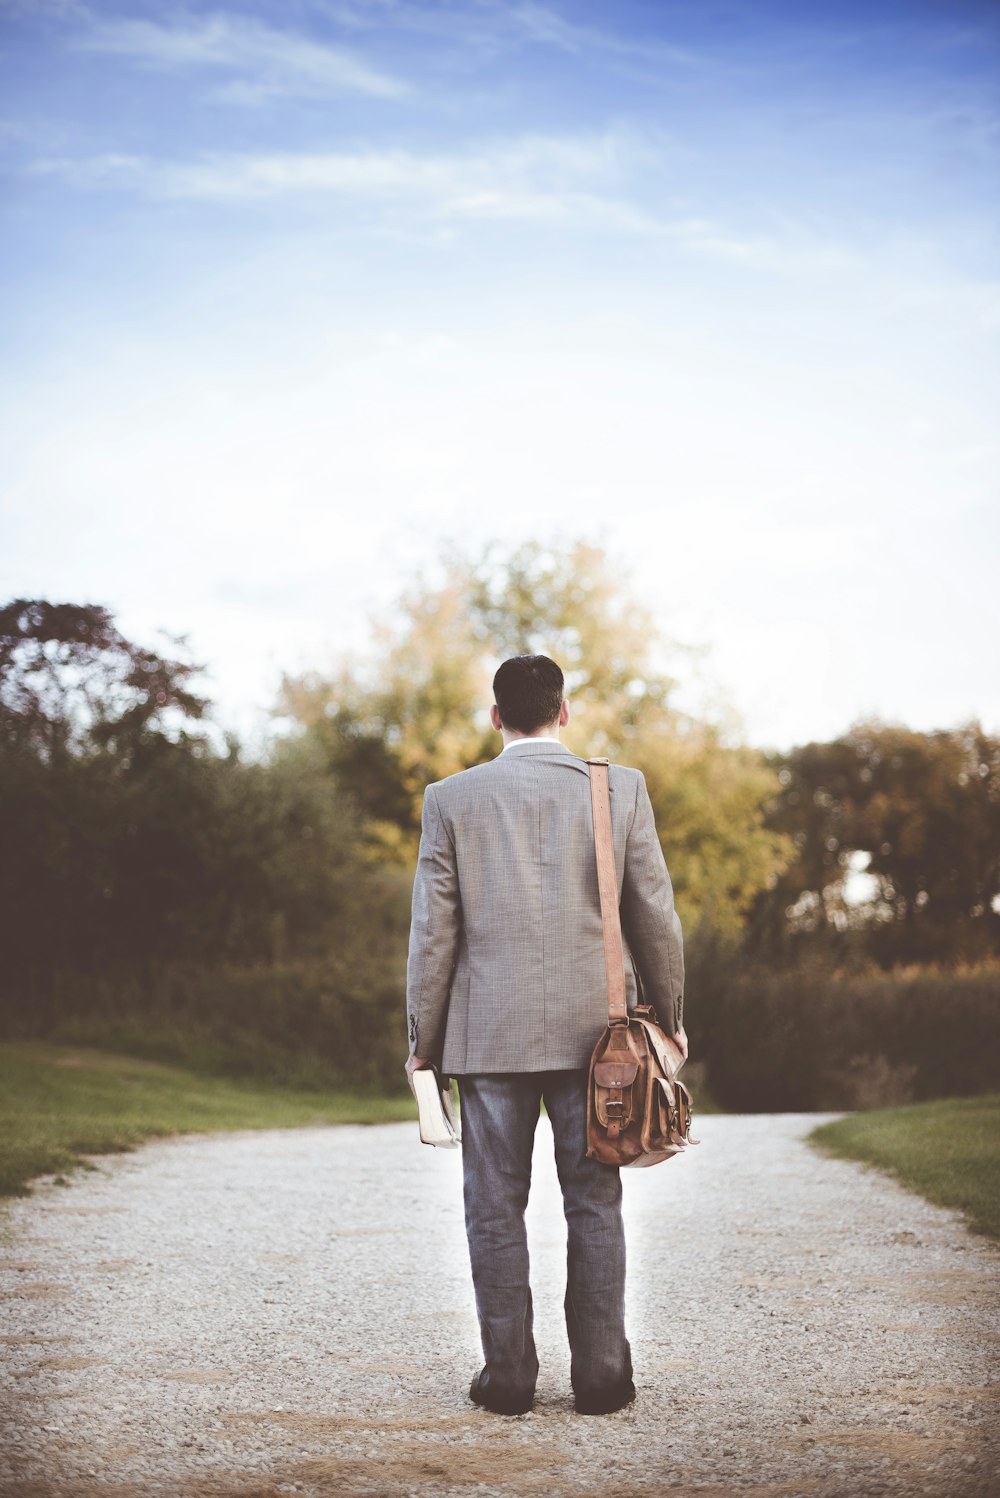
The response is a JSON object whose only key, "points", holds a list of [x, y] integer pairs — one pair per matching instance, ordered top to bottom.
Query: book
{"points": [[438, 1123]]}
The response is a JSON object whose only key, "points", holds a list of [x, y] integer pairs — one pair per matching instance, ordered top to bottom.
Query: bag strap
{"points": [[607, 883]]}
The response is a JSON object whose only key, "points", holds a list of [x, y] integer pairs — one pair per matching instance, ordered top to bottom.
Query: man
{"points": [[507, 991]]}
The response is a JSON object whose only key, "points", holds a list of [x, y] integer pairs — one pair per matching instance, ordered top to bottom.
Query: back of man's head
{"points": [[529, 692]]}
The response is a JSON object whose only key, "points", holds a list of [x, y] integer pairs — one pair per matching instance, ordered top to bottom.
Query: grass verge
{"points": [[61, 1103], [948, 1151]]}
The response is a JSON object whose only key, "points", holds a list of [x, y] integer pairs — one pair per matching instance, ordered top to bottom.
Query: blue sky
{"points": [[294, 293]]}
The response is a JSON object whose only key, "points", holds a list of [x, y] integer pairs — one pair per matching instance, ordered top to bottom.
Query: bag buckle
{"points": [[618, 1104]]}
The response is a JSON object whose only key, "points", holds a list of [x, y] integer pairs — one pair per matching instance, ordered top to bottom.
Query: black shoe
{"points": [[606, 1401], [519, 1406]]}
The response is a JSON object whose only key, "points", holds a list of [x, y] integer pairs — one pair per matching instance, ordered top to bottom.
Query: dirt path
{"points": [[291, 1311]]}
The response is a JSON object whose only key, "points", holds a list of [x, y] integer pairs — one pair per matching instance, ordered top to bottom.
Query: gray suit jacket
{"points": [[506, 958]]}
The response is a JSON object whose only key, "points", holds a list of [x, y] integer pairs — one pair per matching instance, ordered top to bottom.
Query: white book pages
{"points": [[438, 1123]]}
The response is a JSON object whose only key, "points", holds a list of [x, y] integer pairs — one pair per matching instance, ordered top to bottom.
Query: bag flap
{"points": [[666, 1050], [615, 1073]]}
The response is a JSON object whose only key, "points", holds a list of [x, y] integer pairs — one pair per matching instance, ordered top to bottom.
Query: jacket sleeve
{"points": [[649, 920], [435, 928]]}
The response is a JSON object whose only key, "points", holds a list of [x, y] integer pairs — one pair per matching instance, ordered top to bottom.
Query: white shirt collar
{"points": [[536, 738]]}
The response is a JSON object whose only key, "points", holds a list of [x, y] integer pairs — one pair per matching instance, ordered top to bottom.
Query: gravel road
{"points": [[291, 1311]]}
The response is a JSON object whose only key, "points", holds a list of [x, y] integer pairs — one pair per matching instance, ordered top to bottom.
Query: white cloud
{"points": [[540, 23], [493, 27], [271, 62], [530, 177], [591, 182]]}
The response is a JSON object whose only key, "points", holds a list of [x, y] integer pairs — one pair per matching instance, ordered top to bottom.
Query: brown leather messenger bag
{"points": [[638, 1113]]}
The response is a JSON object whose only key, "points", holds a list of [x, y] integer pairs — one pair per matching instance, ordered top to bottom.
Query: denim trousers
{"points": [[499, 1114]]}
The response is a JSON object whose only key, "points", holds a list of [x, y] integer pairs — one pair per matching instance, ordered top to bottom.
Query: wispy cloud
{"points": [[540, 23], [494, 26], [267, 62], [530, 176], [591, 183]]}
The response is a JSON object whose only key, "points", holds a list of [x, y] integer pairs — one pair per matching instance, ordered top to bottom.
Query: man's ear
{"points": [[564, 713], [495, 718]]}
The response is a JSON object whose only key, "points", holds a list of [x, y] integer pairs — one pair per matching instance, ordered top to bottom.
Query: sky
{"points": [[294, 294]]}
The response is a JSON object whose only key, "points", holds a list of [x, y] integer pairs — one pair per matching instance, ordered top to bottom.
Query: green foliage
{"points": [[71, 682], [418, 711], [917, 817], [180, 852], [175, 900], [250, 918], [332, 1022], [809, 1036], [60, 1104], [948, 1151]]}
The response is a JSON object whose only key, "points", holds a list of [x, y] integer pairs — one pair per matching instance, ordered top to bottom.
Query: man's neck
{"points": [[552, 732]]}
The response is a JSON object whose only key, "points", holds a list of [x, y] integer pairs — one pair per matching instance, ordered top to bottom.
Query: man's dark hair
{"points": [[529, 692]]}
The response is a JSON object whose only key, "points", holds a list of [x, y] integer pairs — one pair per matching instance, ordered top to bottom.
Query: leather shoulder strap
{"points": [[607, 883]]}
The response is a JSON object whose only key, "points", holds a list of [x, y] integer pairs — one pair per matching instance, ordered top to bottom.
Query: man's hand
{"points": [[681, 1039], [414, 1063]]}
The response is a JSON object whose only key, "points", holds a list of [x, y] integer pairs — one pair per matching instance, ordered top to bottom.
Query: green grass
{"points": [[59, 1103], [947, 1151]]}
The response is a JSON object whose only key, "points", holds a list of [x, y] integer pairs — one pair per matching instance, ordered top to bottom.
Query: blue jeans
{"points": [[499, 1114]]}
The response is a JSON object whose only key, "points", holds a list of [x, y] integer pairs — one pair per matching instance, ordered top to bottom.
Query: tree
{"points": [[71, 683], [417, 710], [83, 714], [927, 815], [128, 838], [898, 845]]}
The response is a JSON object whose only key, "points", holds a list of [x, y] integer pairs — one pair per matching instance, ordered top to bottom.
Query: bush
{"points": [[318, 1024], [809, 1036], [798, 1038]]}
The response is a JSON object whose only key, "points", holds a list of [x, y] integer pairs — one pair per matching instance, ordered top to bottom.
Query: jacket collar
{"points": [[540, 746]]}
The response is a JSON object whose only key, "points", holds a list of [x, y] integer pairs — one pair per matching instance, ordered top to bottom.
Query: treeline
{"points": [[897, 848], [161, 892], [170, 897]]}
